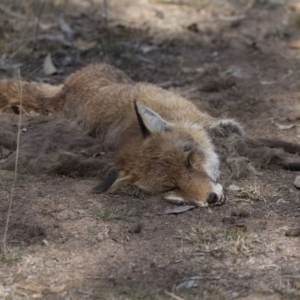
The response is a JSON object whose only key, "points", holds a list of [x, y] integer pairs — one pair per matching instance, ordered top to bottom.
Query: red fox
{"points": [[161, 140]]}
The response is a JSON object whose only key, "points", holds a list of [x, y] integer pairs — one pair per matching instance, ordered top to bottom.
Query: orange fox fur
{"points": [[160, 139]]}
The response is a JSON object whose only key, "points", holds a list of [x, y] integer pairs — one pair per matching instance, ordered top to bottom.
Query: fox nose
{"points": [[212, 198]]}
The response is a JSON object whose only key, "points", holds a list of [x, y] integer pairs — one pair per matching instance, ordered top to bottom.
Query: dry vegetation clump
{"points": [[252, 192], [111, 212], [216, 241], [134, 291]]}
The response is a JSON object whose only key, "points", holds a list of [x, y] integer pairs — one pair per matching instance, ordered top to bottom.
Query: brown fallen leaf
{"points": [[295, 44], [83, 45], [237, 228], [297, 285], [33, 288], [57, 288]]}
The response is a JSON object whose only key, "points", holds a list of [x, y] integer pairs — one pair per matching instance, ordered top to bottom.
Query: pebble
{"points": [[297, 182], [228, 220], [135, 228], [293, 232]]}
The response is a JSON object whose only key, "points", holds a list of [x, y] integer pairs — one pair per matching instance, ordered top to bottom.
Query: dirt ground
{"points": [[233, 58]]}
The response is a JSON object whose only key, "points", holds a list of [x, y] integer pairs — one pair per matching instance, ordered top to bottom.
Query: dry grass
{"points": [[253, 193], [111, 212], [215, 241], [12, 256], [139, 292]]}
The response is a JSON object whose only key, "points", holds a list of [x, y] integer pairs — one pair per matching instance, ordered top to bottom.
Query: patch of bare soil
{"points": [[233, 58]]}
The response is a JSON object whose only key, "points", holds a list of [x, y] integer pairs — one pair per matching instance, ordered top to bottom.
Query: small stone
{"points": [[297, 182], [234, 188], [242, 213], [228, 220], [135, 228], [237, 228], [293, 232], [99, 237], [45, 242]]}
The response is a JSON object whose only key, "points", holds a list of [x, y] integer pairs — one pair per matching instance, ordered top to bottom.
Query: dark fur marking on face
{"points": [[106, 184]]}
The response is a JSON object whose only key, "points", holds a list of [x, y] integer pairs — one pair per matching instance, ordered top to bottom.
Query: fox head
{"points": [[161, 157]]}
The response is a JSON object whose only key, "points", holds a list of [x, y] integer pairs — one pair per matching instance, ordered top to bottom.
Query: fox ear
{"points": [[150, 121]]}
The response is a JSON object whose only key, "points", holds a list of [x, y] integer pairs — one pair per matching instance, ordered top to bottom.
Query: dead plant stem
{"points": [[37, 28], [16, 170]]}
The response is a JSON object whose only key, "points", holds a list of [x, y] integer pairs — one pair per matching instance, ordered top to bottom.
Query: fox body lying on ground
{"points": [[161, 140]]}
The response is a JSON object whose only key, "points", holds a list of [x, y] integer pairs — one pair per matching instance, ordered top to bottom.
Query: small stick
{"points": [[37, 28], [16, 170], [173, 295]]}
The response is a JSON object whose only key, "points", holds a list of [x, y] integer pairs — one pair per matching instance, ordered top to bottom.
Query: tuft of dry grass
{"points": [[253, 193], [111, 212], [215, 241], [240, 242], [10, 257], [141, 292]]}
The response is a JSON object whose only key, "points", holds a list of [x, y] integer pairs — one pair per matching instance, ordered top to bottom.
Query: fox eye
{"points": [[187, 148], [170, 189]]}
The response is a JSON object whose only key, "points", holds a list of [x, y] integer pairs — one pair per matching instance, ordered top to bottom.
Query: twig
{"points": [[12, 13], [105, 14], [105, 17], [37, 28], [19, 49], [16, 170], [85, 293], [173, 295]]}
